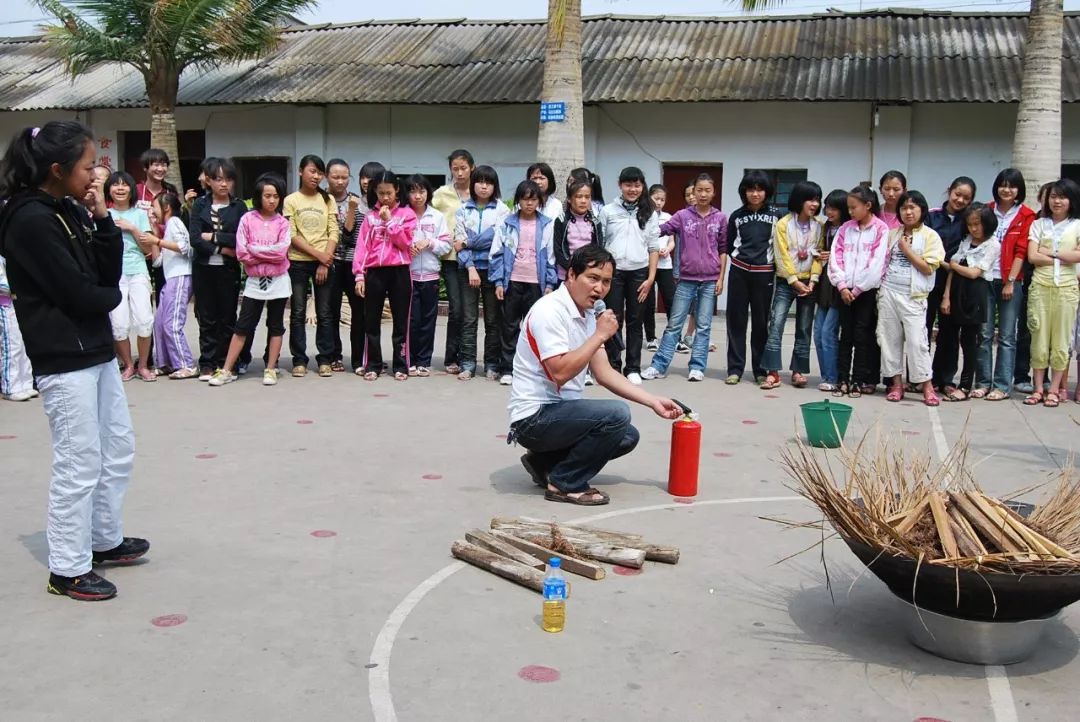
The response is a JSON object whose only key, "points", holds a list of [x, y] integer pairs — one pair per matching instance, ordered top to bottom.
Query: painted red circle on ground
{"points": [[380, 396], [771, 396], [304, 422], [749, 422], [909, 433], [500, 436], [7, 437], [723, 454], [205, 456], [431, 477], [683, 500], [323, 533], [625, 571], [169, 620], [539, 673], [930, 719]]}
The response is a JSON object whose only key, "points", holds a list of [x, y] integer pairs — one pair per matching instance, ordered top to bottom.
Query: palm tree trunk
{"points": [[162, 87], [163, 136], [1037, 143], [562, 144]]}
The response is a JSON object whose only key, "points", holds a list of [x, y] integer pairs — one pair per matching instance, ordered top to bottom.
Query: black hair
{"points": [[32, 151], [463, 154], [154, 155], [312, 159], [337, 161], [208, 163], [213, 167], [371, 169], [544, 169], [484, 174], [890, 175], [387, 176], [587, 176], [118, 177], [1013, 178], [269, 179], [416, 180], [756, 180], [963, 180], [657, 187], [527, 189], [1069, 189], [571, 190], [802, 192], [865, 194], [837, 199], [918, 199], [170, 200], [1044, 200], [645, 208], [987, 218], [590, 256]]}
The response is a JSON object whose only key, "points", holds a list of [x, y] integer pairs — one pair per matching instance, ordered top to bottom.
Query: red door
{"points": [[677, 177]]}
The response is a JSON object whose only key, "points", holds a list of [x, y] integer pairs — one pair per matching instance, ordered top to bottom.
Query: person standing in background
{"points": [[447, 200]]}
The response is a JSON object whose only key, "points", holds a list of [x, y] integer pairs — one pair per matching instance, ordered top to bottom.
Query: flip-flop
{"points": [[371, 375], [401, 376], [772, 381], [798, 381], [997, 395], [599, 498]]}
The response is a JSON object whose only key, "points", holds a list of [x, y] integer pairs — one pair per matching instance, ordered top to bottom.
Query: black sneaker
{"points": [[529, 462], [129, 550], [87, 587]]}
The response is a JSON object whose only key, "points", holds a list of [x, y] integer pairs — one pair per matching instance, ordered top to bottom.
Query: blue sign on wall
{"points": [[552, 112]]}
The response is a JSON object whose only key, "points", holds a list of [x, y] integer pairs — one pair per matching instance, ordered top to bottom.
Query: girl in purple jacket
{"points": [[262, 245]]}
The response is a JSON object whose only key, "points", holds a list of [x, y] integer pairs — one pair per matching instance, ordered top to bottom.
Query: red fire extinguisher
{"points": [[685, 453]]}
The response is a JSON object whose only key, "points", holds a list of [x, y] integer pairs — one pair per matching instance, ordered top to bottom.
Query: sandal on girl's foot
{"points": [[337, 367], [453, 369], [412, 371], [423, 371], [147, 375], [369, 375], [401, 376], [732, 379], [798, 380], [772, 381], [826, 387], [912, 388], [868, 389], [840, 390], [854, 392], [896, 393], [954, 394], [977, 394], [997, 395], [930, 398], [1033, 399], [1052, 401], [589, 497]]}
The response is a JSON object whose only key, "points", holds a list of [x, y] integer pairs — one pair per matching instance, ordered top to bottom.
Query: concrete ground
{"points": [[372, 619]]}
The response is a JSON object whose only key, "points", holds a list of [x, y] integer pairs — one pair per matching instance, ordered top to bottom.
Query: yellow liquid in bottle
{"points": [[554, 615]]}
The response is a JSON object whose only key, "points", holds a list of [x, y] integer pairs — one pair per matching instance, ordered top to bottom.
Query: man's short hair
{"points": [[154, 155], [590, 256]]}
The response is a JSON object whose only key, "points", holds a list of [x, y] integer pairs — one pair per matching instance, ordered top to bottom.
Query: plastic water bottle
{"points": [[554, 597]]}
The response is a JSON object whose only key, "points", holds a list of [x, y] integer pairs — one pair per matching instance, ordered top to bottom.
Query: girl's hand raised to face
{"points": [[384, 214]]}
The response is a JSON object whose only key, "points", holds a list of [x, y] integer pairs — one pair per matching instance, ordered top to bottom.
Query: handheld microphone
{"points": [[598, 308]]}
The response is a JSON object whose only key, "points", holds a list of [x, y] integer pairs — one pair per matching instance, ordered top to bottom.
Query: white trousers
{"points": [[135, 312], [901, 329], [15, 373], [93, 453]]}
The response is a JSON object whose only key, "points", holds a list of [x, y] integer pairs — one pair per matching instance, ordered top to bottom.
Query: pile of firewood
{"points": [[518, 549]]}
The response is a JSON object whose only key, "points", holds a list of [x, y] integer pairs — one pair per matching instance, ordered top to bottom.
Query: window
{"points": [[249, 169], [783, 180]]}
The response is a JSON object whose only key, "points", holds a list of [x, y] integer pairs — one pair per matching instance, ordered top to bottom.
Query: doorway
{"points": [[191, 145], [676, 176]]}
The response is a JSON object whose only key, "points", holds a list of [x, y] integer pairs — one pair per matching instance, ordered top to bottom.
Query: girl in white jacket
{"points": [[430, 243]]}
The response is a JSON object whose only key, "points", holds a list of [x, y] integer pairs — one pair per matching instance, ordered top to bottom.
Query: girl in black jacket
{"points": [[576, 223], [64, 267]]}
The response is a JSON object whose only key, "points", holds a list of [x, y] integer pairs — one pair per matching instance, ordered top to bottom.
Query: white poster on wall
{"points": [[107, 151]]}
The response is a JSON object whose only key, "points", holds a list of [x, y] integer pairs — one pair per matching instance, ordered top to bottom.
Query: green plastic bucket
{"points": [[826, 423]]}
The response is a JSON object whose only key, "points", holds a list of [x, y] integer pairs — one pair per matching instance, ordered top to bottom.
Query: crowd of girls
{"points": [[876, 279]]}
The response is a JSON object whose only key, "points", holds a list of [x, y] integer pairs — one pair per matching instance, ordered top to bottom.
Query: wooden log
{"points": [[906, 521], [941, 522], [981, 523], [1020, 524], [965, 526], [1005, 528], [595, 531], [580, 537], [486, 540], [964, 544], [601, 552], [499, 565], [581, 567]]}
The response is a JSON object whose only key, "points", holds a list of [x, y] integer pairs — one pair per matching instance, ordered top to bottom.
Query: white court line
{"points": [[997, 679], [382, 702]]}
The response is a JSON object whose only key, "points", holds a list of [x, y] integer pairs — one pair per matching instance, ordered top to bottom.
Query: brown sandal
{"points": [[589, 497]]}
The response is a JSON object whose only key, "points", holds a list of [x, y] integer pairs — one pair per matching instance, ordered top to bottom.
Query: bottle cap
{"points": [[555, 562]]}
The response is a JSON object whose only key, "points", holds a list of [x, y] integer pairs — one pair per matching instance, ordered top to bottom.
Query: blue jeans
{"points": [[701, 297], [783, 297], [1008, 312], [827, 343], [572, 440]]}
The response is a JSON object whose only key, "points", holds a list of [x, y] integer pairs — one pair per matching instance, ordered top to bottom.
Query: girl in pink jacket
{"points": [[262, 245], [856, 267], [381, 271]]}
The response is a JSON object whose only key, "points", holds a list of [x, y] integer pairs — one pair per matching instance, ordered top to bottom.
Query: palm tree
{"points": [[161, 38], [561, 144]]}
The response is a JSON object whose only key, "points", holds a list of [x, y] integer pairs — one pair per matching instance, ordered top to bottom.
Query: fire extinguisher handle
{"points": [[685, 409]]}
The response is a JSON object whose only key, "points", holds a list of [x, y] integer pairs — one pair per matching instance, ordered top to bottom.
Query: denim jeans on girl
{"points": [[698, 297], [783, 297], [1007, 313], [827, 342], [93, 454]]}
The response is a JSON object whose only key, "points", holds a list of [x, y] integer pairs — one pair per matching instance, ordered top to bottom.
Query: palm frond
{"points": [[751, 6]]}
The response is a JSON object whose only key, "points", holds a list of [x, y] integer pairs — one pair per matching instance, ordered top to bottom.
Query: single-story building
{"points": [[838, 98]]}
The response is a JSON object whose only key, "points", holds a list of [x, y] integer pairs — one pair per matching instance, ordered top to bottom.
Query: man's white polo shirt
{"points": [[554, 326]]}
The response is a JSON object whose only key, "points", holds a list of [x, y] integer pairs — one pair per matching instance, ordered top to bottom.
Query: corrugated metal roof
{"points": [[893, 56]]}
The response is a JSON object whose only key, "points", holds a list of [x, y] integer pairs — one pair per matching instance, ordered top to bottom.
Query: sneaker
{"points": [[653, 345], [682, 347], [241, 369], [299, 371], [325, 371], [412, 371], [182, 374], [205, 374], [651, 374], [465, 375], [491, 375], [695, 375], [222, 377], [270, 377], [634, 378], [732, 379], [506, 380], [759, 380], [589, 381], [1024, 388], [20, 396], [126, 552], [87, 587]]}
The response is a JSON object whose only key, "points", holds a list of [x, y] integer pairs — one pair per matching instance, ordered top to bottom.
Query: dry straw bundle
{"points": [[898, 504]]}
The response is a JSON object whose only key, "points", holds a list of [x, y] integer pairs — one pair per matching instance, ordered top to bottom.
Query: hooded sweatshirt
{"points": [[431, 226], [476, 226], [577, 227], [624, 237], [750, 238], [1014, 239], [384, 243], [701, 244], [262, 245], [504, 252], [795, 252], [858, 258], [64, 270]]}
